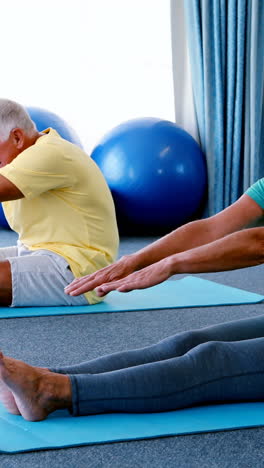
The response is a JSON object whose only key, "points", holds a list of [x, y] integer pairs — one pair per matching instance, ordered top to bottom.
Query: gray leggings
{"points": [[219, 363]]}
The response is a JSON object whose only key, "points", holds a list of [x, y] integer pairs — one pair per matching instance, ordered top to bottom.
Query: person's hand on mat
{"points": [[116, 271], [145, 278]]}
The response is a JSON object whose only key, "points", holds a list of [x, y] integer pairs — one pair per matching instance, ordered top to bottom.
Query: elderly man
{"points": [[57, 200]]}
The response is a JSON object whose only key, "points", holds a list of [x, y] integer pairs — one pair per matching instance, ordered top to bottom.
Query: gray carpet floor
{"points": [[63, 340]]}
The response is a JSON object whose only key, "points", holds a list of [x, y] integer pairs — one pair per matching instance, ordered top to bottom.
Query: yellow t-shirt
{"points": [[68, 208]]}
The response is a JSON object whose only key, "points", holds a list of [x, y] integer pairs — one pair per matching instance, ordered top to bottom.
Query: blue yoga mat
{"points": [[190, 291], [62, 430]]}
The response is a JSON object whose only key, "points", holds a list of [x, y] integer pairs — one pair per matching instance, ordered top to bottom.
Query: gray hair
{"points": [[13, 115]]}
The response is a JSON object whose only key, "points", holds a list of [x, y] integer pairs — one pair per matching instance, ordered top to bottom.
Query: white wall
{"points": [[96, 63]]}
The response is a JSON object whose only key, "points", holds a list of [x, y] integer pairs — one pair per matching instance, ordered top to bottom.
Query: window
{"points": [[96, 63]]}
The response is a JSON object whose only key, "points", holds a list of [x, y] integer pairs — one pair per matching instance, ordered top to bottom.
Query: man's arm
{"points": [[8, 191], [184, 239]]}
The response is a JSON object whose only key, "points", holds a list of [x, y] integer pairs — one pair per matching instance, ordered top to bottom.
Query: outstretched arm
{"points": [[183, 240], [238, 250]]}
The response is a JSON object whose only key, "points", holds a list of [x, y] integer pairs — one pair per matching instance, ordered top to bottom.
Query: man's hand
{"points": [[114, 272]]}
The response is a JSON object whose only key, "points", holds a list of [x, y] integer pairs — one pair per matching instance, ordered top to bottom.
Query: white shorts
{"points": [[39, 278]]}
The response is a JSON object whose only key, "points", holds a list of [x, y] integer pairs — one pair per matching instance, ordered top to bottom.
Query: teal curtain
{"points": [[226, 40]]}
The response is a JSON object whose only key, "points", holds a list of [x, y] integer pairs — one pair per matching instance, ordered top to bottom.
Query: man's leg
{"points": [[5, 274], [39, 278], [5, 284], [170, 347]]}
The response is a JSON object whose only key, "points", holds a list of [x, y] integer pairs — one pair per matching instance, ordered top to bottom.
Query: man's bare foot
{"points": [[37, 392]]}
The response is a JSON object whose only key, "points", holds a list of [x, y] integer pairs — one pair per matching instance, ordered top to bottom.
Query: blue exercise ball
{"points": [[45, 119], [156, 172], [3, 222]]}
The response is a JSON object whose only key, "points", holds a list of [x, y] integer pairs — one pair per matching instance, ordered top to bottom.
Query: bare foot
{"points": [[37, 392], [7, 398]]}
